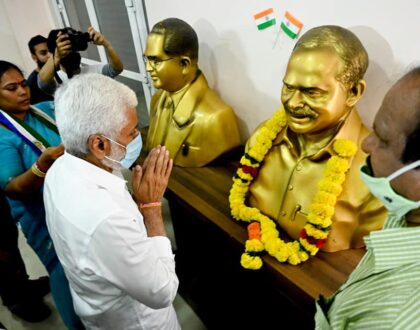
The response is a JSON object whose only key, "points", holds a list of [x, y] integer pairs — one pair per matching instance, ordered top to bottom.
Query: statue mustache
{"points": [[301, 112]]}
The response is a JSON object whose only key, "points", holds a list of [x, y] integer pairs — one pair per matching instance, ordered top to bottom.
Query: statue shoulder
{"points": [[155, 99], [212, 104], [253, 138]]}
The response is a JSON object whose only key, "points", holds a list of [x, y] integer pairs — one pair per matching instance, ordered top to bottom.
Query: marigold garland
{"points": [[262, 231]]}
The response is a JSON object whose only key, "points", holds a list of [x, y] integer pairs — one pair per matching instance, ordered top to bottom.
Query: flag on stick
{"points": [[265, 19], [290, 25]]}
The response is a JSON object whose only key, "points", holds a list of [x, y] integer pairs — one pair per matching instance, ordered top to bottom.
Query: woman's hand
{"points": [[49, 156]]}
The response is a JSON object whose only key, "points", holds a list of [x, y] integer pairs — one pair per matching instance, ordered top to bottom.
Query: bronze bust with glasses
{"points": [[186, 115]]}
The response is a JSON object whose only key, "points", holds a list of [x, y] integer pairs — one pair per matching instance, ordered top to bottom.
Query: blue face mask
{"points": [[132, 152], [381, 188]]}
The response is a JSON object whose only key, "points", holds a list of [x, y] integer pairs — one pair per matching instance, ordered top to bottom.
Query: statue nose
{"points": [[295, 100]]}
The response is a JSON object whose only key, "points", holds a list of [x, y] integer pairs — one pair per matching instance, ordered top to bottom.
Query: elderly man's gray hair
{"points": [[91, 104]]}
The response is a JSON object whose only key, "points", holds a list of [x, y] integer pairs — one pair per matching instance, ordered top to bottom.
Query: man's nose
{"points": [[367, 143]]}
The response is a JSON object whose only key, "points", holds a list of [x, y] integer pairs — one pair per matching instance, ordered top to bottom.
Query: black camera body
{"points": [[79, 40]]}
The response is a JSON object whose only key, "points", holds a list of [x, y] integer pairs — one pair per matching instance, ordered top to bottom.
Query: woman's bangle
{"points": [[41, 168], [35, 170], [151, 204]]}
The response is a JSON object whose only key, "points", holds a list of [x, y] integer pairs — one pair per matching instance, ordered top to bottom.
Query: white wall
{"points": [[20, 20], [9, 50], [239, 61], [242, 65]]}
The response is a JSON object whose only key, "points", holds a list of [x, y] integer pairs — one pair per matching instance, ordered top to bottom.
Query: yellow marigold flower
{"points": [[262, 135], [345, 148], [245, 161], [337, 164], [243, 175], [336, 177], [239, 184], [329, 186], [323, 197], [324, 211], [248, 213], [315, 219], [319, 221], [268, 226], [315, 232], [254, 245], [273, 245], [312, 249], [281, 255], [303, 256], [294, 259], [251, 262]]}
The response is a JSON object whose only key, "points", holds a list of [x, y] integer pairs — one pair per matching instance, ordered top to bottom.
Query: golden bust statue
{"points": [[322, 84], [186, 116]]}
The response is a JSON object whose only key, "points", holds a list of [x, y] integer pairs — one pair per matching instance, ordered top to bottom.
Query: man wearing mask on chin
{"points": [[113, 246], [383, 292]]}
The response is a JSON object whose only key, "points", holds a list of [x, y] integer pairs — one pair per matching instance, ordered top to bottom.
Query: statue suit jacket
{"points": [[201, 128]]}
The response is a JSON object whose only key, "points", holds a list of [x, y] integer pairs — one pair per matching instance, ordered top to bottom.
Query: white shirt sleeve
{"points": [[105, 69], [141, 266]]}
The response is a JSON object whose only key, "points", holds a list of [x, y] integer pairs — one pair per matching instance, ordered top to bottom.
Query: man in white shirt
{"points": [[113, 246]]}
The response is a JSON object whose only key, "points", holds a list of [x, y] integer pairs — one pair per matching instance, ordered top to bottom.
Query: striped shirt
{"points": [[383, 292]]}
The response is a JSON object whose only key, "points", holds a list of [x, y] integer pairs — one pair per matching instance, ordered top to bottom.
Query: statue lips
{"points": [[301, 116]]}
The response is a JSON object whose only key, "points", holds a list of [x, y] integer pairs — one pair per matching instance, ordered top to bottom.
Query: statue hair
{"points": [[179, 37], [347, 46]]}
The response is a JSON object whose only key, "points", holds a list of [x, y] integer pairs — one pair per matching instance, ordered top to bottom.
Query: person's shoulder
{"points": [[33, 78], [47, 107], [8, 139]]}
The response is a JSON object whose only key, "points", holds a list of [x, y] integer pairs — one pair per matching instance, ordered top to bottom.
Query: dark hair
{"points": [[180, 37], [38, 39], [71, 63], [5, 66], [411, 152]]}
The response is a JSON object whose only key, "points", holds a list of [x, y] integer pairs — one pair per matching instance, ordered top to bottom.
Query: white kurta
{"points": [[119, 277]]}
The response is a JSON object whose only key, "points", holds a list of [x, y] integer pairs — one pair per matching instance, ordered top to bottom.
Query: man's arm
{"points": [[114, 59], [46, 81], [28, 182], [149, 184], [147, 264]]}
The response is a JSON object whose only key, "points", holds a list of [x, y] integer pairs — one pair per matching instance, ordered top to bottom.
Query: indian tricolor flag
{"points": [[265, 19], [290, 25]]}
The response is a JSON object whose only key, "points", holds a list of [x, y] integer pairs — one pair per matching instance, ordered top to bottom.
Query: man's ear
{"points": [[34, 57], [186, 64], [355, 93], [98, 146]]}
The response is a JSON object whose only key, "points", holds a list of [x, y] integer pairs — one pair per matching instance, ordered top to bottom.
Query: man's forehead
{"points": [[41, 46], [395, 117]]}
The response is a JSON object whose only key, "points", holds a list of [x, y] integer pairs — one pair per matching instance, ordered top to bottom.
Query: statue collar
{"points": [[184, 110], [350, 130]]}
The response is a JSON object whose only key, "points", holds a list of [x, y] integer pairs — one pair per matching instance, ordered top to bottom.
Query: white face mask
{"points": [[132, 152], [381, 188]]}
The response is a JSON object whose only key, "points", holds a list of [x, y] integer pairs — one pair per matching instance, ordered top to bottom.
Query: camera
{"points": [[79, 40]]}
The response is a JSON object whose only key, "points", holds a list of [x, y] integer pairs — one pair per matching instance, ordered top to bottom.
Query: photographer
{"points": [[65, 45]]}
